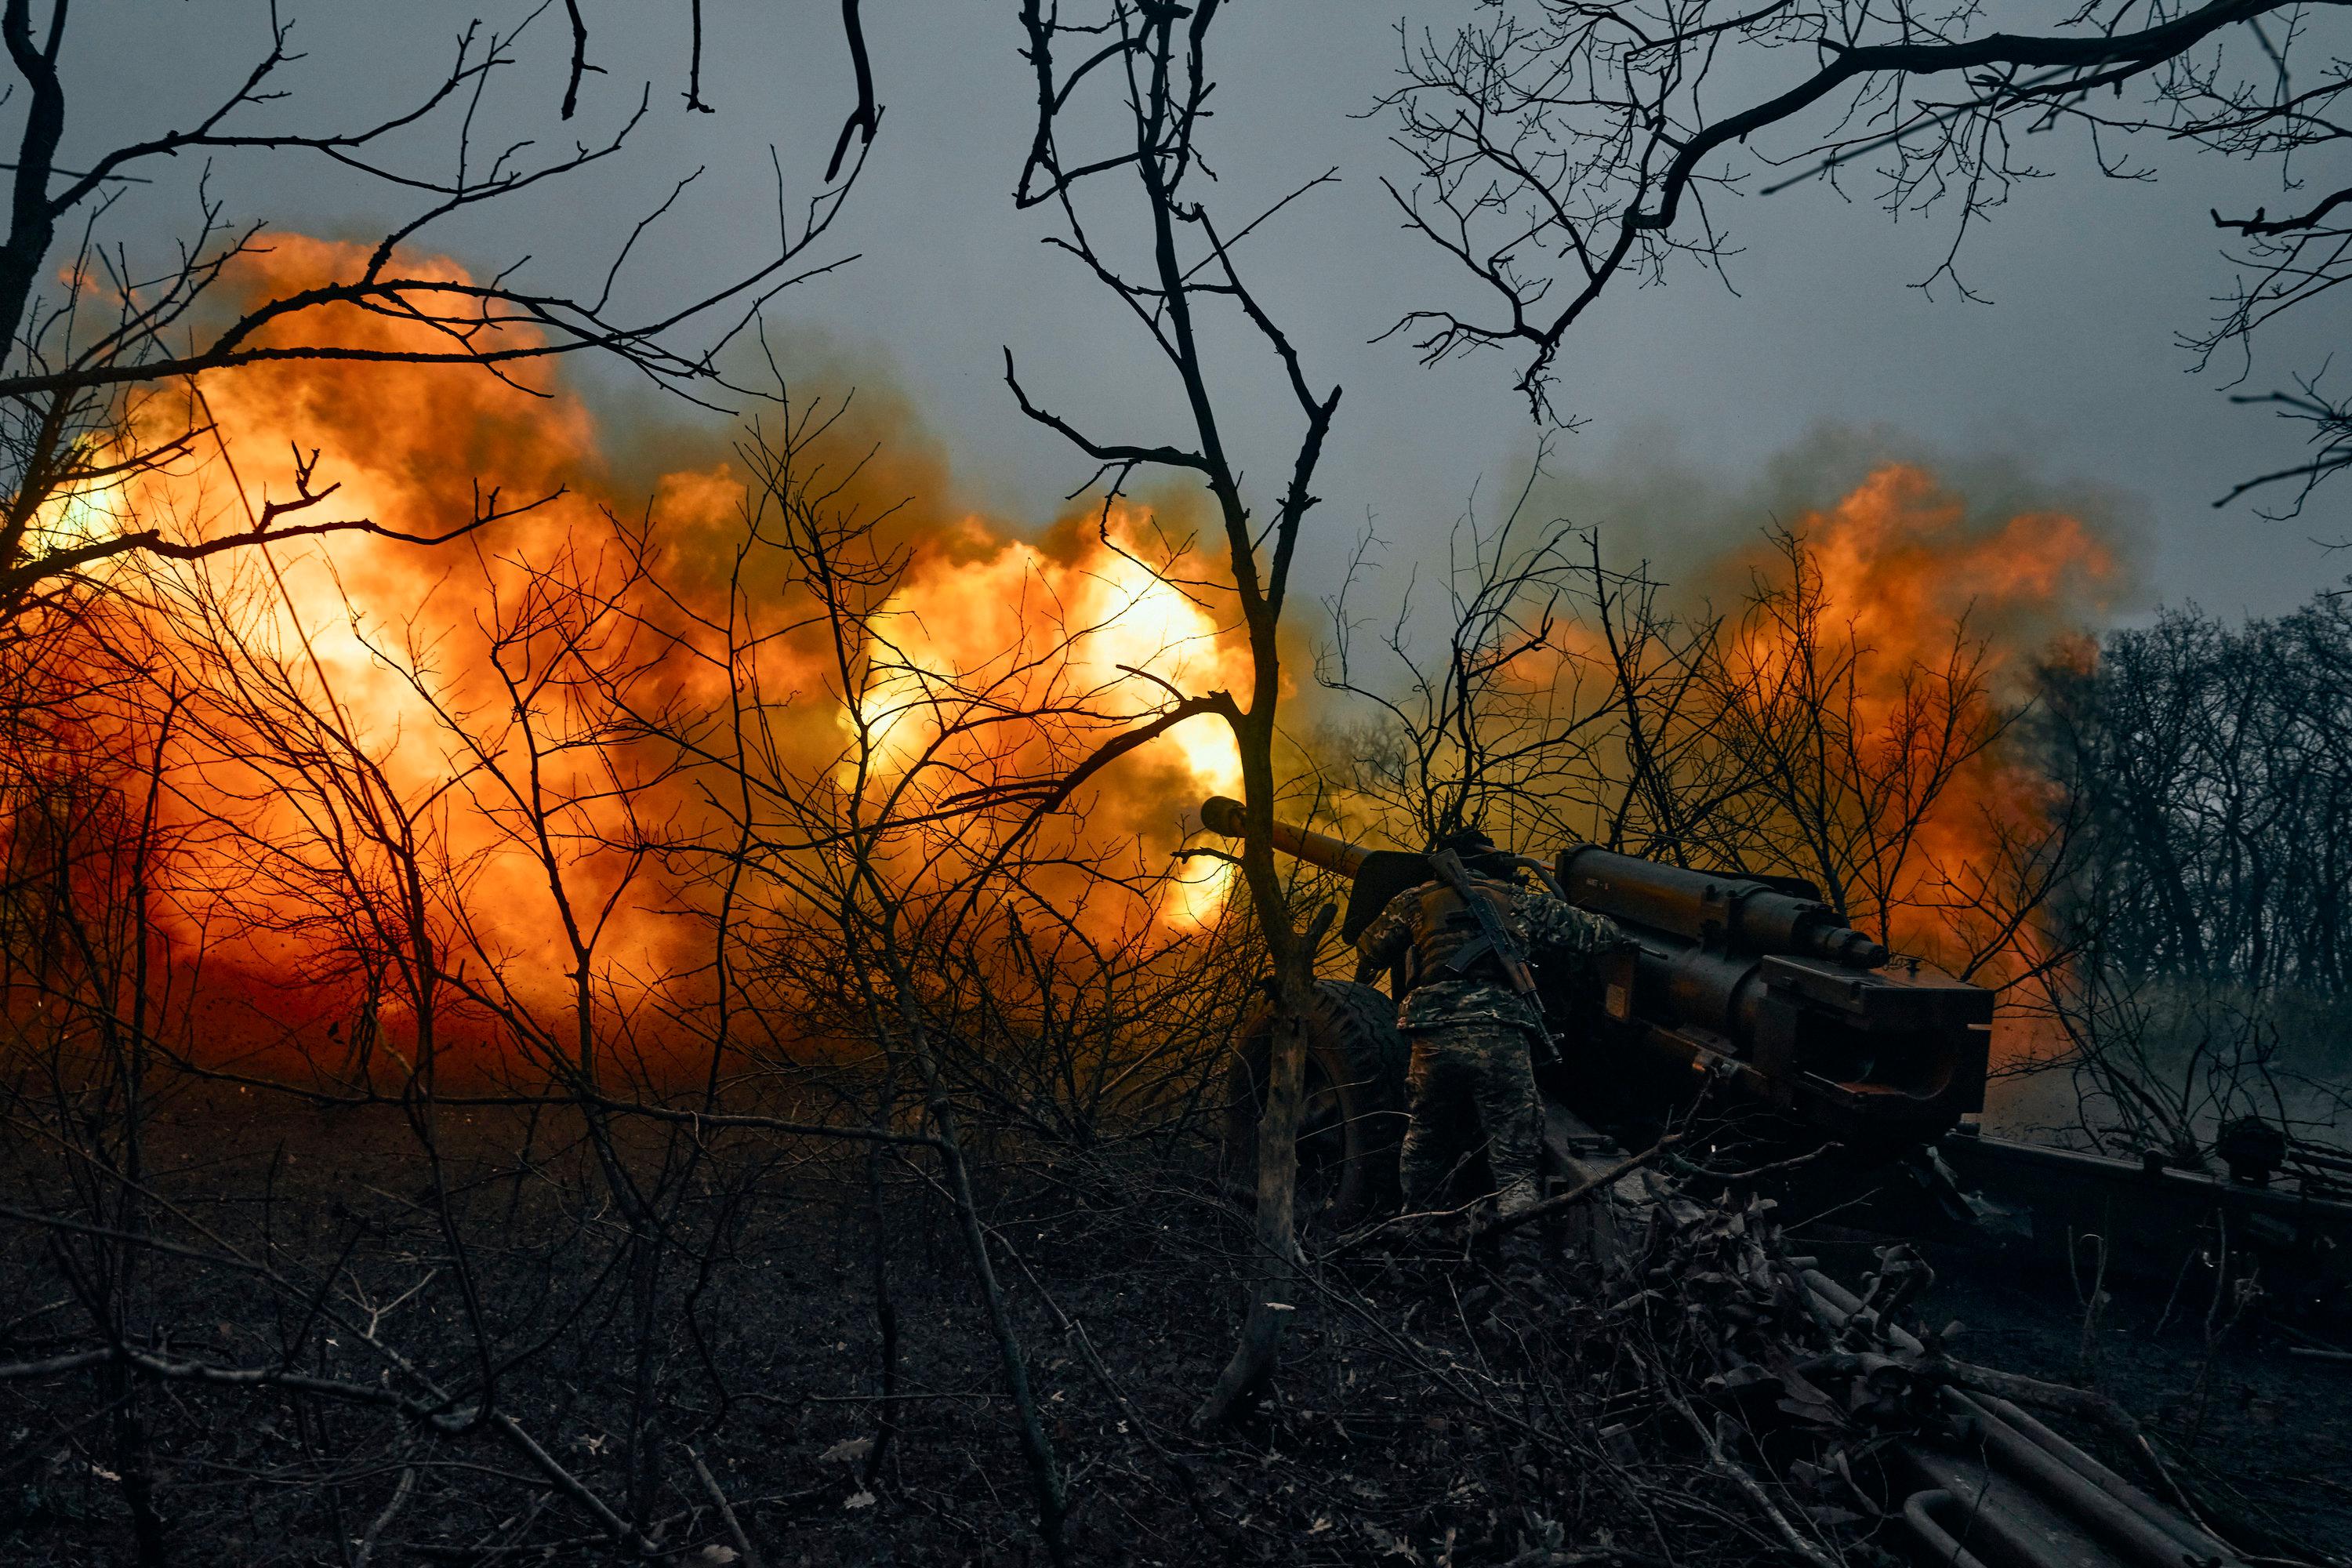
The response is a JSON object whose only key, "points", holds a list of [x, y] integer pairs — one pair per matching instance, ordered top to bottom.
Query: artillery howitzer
{"points": [[1753, 980]]}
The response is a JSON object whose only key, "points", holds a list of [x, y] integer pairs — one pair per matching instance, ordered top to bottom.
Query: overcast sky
{"points": [[2073, 370]]}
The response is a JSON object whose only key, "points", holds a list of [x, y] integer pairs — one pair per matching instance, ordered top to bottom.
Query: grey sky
{"points": [[2073, 372]]}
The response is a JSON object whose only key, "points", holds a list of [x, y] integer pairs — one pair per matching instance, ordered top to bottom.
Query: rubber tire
{"points": [[1354, 1119]]}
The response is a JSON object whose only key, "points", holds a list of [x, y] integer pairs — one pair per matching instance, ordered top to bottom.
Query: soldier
{"points": [[1472, 1077]]}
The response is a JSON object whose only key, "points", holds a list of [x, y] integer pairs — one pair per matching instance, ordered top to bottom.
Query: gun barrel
{"points": [[1221, 814], [1712, 907]]}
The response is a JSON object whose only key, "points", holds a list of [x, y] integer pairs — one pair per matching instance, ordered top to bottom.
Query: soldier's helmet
{"points": [[1477, 851]]}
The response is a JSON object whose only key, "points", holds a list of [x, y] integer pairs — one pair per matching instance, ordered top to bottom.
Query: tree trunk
{"points": [[1274, 1264]]}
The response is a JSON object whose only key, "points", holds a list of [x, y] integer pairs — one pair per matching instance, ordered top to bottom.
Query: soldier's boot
{"points": [[1518, 1198]]}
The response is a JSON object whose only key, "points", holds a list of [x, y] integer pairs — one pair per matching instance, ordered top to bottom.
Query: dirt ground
{"points": [[1418, 1419], [2265, 1435]]}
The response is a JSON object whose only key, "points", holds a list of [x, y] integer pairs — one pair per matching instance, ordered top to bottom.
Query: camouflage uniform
{"points": [[1472, 1079]]}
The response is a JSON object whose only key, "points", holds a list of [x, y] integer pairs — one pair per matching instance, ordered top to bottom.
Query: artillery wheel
{"points": [[1353, 1119]]}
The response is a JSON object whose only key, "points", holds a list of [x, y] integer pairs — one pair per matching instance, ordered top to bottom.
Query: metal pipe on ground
{"points": [[2028, 1473]]}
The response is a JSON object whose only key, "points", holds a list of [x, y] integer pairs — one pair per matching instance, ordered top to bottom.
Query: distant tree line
{"points": [[2210, 767]]}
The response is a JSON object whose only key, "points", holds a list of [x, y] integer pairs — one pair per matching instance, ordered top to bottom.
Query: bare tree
{"points": [[1147, 66], [1559, 147], [102, 375], [1568, 701], [1501, 724], [1851, 749], [300, 825], [902, 836]]}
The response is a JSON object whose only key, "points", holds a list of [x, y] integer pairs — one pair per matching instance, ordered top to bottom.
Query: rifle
{"points": [[1493, 937]]}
